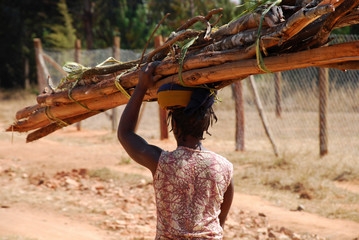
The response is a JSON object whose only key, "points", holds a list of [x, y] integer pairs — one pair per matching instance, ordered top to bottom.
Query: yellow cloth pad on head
{"points": [[174, 98]]}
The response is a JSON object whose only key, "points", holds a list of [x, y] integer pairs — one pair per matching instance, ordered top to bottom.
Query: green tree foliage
{"points": [[181, 11], [124, 18], [133, 20], [21, 21], [62, 34], [10, 47]]}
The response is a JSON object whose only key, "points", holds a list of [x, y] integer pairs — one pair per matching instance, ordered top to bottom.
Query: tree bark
{"points": [[343, 9], [88, 18], [44, 131]]}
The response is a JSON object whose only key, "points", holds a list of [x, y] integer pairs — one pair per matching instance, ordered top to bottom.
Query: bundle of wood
{"points": [[277, 36]]}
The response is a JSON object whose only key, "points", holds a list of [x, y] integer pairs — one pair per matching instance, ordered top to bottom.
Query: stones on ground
{"points": [[129, 209]]}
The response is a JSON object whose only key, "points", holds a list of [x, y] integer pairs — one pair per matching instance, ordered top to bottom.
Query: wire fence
{"points": [[298, 127], [296, 130]]}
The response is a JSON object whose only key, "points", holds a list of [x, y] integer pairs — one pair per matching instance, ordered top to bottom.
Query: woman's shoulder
{"points": [[216, 155], [167, 156], [221, 160], [224, 160]]}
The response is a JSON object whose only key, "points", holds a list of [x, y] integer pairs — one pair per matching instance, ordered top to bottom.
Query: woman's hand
{"points": [[146, 75]]}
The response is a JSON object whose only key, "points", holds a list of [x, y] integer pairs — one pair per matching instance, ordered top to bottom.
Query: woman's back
{"points": [[189, 186], [194, 189]]}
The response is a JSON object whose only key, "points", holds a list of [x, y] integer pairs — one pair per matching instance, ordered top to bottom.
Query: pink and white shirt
{"points": [[189, 187]]}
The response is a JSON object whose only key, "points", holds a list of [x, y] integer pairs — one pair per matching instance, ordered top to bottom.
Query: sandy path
{"points": [[23, 220], [45, 225], [333, 229]]}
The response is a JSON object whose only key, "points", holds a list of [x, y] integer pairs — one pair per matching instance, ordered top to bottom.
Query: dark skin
{"points": [[146, 154]]}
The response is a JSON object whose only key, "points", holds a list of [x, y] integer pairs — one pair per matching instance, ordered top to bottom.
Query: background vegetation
{"points": [[58, 22]]}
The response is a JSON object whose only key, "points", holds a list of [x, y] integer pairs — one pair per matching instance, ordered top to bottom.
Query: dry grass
{"points": [[14, 100], [299, 176], [296, 180]]}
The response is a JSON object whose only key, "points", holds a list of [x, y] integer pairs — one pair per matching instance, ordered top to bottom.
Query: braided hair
{"points": [[190, 109], [191, 125]]}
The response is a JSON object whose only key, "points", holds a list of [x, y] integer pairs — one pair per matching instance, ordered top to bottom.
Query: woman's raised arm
{"points": [[137, 148]]}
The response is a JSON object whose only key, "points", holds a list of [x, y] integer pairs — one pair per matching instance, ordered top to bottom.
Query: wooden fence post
{"points": [[116, 55], [78, 60], [41, 78], [278, 93], [239, 108], [323, 108], [162, 112], [263, 118]]}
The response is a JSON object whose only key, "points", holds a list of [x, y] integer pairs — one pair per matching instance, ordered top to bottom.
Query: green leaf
{"points": [[183, 55], [260, 61]]}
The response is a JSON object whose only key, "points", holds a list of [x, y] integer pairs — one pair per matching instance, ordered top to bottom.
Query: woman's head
{"points": [[190, 109], [194, 125]]}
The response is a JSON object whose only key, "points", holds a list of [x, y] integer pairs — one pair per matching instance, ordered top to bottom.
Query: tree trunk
{"points": [[88, 19]]}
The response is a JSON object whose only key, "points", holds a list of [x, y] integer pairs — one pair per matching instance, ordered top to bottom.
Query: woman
{"points": [[193, 186]]}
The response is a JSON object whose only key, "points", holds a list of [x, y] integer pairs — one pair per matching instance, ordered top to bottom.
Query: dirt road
{"points": [[23, 212], [45, 225]]}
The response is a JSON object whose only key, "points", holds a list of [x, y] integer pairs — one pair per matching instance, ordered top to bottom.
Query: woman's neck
{"points": [[190, 142]]}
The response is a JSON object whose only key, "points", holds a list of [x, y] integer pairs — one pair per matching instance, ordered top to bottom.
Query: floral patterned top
{"points": [[189, 188]]}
